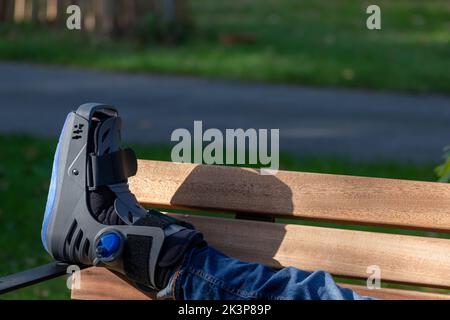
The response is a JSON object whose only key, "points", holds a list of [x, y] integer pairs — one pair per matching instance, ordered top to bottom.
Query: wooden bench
{"points": [[414, 260]]}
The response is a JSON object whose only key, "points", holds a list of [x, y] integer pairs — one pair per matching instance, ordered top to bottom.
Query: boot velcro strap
{"points": [[112, 168], [155, 218], [136, 257]]}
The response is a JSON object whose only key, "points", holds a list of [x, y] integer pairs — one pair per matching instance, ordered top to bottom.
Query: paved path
{"points": [[312, 121]]}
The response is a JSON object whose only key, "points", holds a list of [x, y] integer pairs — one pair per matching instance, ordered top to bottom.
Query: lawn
{"points": [[310, 42], [25, 168]]}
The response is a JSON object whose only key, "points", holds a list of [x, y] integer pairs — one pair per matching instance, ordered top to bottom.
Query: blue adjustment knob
{"points": [[108, 245]]}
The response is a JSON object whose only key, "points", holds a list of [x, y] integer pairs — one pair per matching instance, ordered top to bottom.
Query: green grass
{"points": [[312, 42], [25, 169]]}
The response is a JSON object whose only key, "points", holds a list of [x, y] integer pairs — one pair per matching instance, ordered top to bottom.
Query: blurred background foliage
{"points": [[313, 42], [443, 171]]}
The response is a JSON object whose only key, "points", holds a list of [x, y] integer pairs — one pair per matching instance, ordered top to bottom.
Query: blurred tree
{"points": [[37, 9], [51, 10], [6, 11], [62, 11], [104, 16], [172, 18], [149, 20]]}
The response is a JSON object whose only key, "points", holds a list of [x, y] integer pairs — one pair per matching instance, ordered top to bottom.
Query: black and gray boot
{"points": [[92, 218]]}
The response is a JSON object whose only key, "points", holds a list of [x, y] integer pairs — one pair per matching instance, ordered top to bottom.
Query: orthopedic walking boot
{"points": [[92, 218]]}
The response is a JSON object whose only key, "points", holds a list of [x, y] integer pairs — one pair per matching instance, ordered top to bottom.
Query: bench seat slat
{"points": [[361, 200], [403, 259], [98, 283], [102, 284], [396, 294]]}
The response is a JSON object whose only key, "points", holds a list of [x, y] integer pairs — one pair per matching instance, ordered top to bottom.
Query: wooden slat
{"points": [[409, 204], [404, 259], [102, 284], [396, 294]]}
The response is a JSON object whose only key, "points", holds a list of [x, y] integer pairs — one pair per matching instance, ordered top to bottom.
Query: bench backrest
{"points": [[297, 197]]}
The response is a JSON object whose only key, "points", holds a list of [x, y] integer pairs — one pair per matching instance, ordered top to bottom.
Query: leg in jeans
{"points": [[208, 274]]}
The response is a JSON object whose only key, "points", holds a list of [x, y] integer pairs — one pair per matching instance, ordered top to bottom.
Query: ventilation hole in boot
{"points": [[105, 135], [130, 216], [71, 231], [78, 240], [86, 247], [65, 248]]}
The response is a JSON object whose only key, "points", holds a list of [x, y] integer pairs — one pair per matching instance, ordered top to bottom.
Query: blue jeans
{"points": [[207, 274]]}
